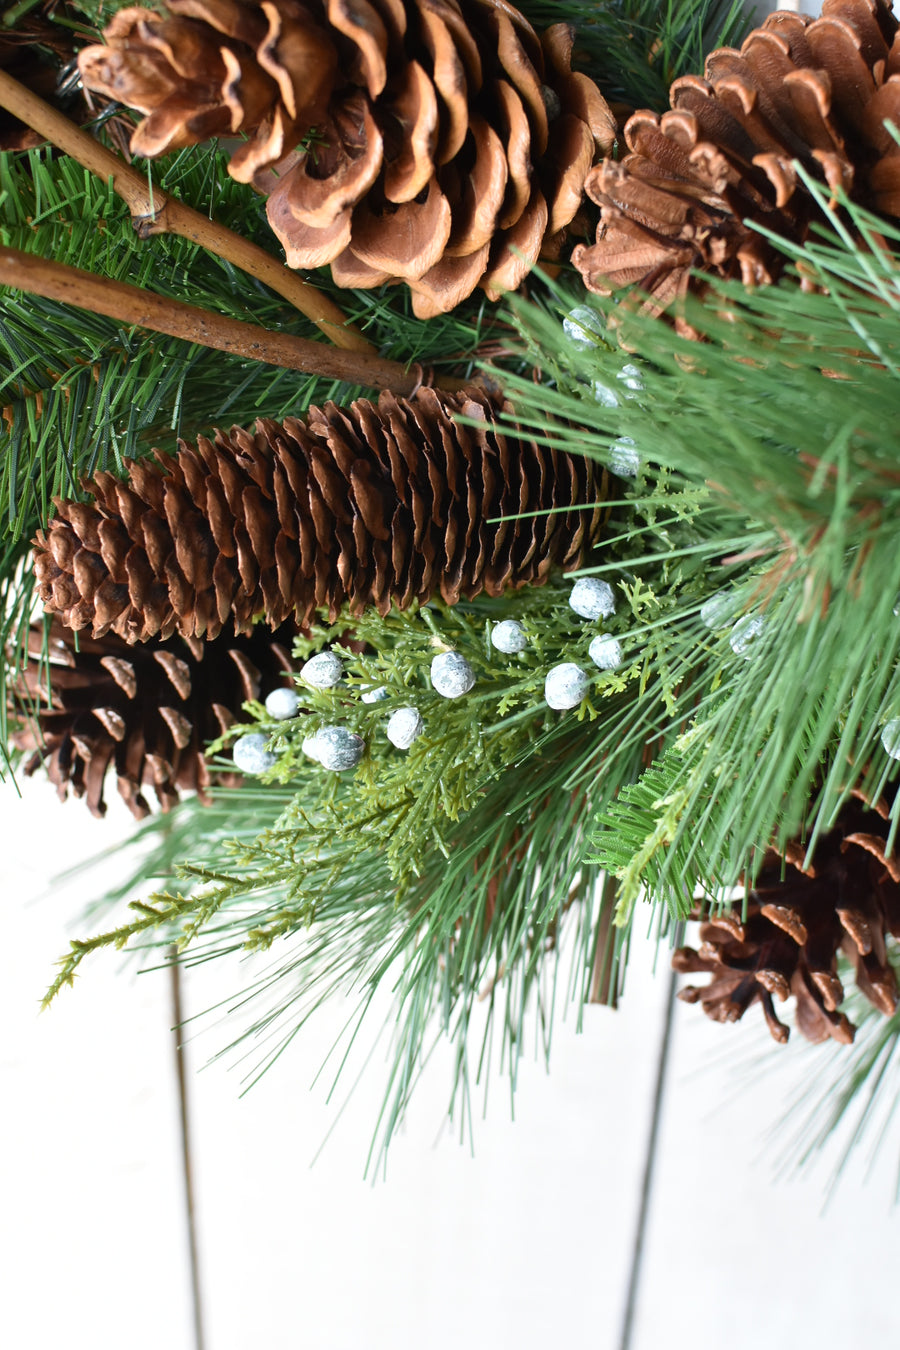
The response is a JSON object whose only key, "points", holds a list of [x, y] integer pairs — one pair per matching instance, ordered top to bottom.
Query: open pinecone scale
{"points": [[437, 142], [697, 179], [90, 707], [799, 916]]}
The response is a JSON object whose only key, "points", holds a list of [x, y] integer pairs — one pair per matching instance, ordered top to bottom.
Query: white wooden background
{"points": [[535, 1241]]}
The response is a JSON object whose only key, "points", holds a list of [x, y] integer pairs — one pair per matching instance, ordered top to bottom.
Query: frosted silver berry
{"points": [[582, 326], [624, 459], [592, 598], [719, 610], [744, 635], [509, 636], [606, 652], [322, 671], [451, 675], [566, 685], [282, 703], [404, 726], [890, 737], [310, 748], [338, 748], [250, 754]]}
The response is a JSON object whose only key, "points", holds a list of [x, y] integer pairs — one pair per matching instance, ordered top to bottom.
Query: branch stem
{"points": [[153, 212], [132, 305]]}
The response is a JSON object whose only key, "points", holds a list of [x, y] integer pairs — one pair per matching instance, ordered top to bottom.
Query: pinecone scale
{"points": [[436, 142], [697, 179], [371, 505]]}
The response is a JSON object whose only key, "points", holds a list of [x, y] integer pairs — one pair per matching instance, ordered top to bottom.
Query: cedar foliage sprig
{"points": [[461, 858]]}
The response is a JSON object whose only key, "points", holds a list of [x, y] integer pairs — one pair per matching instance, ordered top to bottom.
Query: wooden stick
{"points": [[153, 212], [132, 305]]}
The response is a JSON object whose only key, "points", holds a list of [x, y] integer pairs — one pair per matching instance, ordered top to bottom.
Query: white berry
{"points": [[582, 326], [630, 376], [624, 459], [592, 598], [718, 610], [744, 634], [509, 637], [606, 652], [322, 671], [451, 675], [566, 685], [377, 694], [282, 703], [403, 727], [890, 737], [310, 747], [338, 749], [250, 754]]}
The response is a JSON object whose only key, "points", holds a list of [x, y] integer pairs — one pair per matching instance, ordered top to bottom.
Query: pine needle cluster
{"points": [[752, 549], [788, 669]]}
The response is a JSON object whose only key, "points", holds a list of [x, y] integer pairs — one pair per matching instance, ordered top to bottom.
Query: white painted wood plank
{"points": [[92, 1243], [526, 1244], [734, 1256]]}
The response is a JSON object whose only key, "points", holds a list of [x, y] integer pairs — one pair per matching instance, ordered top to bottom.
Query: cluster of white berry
{"points": [[337, 748]]}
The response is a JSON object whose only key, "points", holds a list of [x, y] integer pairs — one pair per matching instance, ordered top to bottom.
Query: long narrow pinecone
{"points": [[447, 144], [699, 178], [363, 506], [144, 714], [797, 921]]}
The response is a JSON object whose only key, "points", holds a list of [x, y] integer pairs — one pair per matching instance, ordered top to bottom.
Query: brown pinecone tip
{"points": [[450, 143], [700, 178], [352, 507], [144, 714], [798, 918]]}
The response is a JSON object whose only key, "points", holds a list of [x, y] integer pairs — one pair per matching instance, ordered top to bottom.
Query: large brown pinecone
{"points": [[33, 52], [813, 91], [448, 145], [362, 506], [143, 713], [797, 920]]}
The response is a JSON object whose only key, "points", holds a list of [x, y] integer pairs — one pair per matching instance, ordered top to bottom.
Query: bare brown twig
{"points": [[153, 212], [132, 305]]}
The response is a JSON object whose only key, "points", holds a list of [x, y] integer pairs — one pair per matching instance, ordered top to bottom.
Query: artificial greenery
{"points": [[634, 49], [786, 426], [751, 543], [841, 1100]]}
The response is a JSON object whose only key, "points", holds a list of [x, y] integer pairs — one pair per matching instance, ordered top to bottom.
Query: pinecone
{"points": [[32, 52], [816, 91], [421, 140], [366, 506], [145, 713], [797, 920]]}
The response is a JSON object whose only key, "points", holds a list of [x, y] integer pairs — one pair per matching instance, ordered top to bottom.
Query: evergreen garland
{"points": [[751, 551]]}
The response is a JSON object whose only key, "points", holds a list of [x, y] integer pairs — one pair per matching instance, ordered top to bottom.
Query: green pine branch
{"points": [[635, 49], [782, 412]]}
